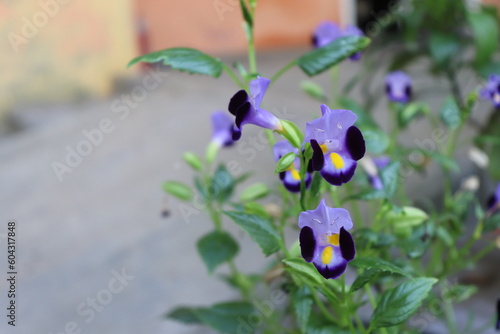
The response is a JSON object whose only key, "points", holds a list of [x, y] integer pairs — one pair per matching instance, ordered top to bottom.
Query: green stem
{"points": [[252, 63], [283, 70], [233, 76], [334, 76], [355, 209], [240, 280], [373, 303], [322, 306], [449, 312]]}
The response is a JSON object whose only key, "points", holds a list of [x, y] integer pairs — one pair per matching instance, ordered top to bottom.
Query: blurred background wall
{"points": [[68, 50]]}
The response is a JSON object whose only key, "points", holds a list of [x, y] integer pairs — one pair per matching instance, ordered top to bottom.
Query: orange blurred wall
{"points": [[214, 26]]}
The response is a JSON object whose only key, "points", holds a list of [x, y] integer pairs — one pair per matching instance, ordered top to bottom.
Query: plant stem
{"points": [[283, 70], [233, 76], [240, 280], [322, 306], [449, 312]]}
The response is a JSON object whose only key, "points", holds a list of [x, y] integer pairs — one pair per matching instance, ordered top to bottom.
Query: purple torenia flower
{"points": [[327, 32], [398, 86], [492, 90], [247, 108], [222, 125], [337, 144], [374, 175], [290, 177], [494, 201], [324, 239], [498, 315]]}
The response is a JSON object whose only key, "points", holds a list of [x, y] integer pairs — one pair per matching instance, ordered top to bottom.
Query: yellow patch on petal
{"points": [[323, 148], [337, 160], [295, 174], [333, 240], [327, 255]]}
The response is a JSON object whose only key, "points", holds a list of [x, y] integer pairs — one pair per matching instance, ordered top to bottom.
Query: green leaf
{"points": [[246, 13], [485, 28], [443, 47], [184, 59], [321, 59], [313, 90], [410, 111], [450, 113], [364, 120], [292, 133], [376, 140], [193, 160], [285, 162], [389, 176], [222, 185], [178, 189], [255, 191], [404, 220], [492, 223], [260, 230], [216, 248], [378, 264], [303, 272], [459, 292], [302, 302], [398, 304], [185, 315], [224, 317]]}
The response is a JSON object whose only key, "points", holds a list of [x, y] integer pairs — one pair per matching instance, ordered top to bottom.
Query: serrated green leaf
{"points": [[486, 35], [443, 47], [184, 59], [321, 59], [410, 112], [450, 113], [376, 140], [193, 160], [285, 162], [389, 176], [222, 185], [178, 189], [255, 191], [260, 230], [216, 248], [378, 264], [303, 272], [365, 277], [302, 302], [399, 303], [185, 315], [224, 317]]}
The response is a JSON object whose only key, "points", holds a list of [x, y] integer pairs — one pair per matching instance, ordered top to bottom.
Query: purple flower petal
{"points": [[325, 33], [398, 86], [258, 88], [492, 90], [237, 101], [222, 129], [355, 143], [318, 159], [336, 175], [307, 244], [346, 245], [333, 269]]}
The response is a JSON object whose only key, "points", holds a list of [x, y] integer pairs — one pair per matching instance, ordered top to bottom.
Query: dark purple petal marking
{"points": [[408, 92], [237, 100], [242, 113], [236, 133], [355, 143], [318, 158], [282, 175], [336, 176], [492, 201], [307, 243], [346, 244], [332, 271], [498, 315]]}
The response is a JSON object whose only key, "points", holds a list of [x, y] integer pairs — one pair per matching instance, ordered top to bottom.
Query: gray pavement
{"points": [[94, 253]]}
